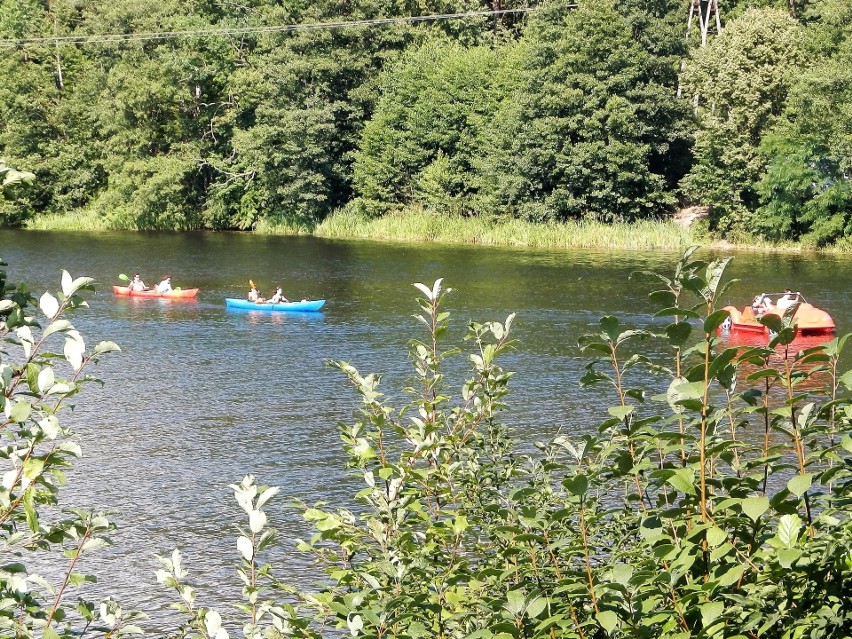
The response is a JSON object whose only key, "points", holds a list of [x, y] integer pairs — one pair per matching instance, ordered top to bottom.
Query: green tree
{"points": [[740, 82], [304, 102], [596, 129], [429, 133], [10, 178], [11, 183], [806, 190]]}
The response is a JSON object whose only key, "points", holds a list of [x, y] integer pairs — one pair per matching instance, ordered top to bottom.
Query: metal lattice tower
{"points": [[704, 11]]}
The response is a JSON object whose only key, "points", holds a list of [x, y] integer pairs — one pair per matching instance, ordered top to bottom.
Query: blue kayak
{"points": [[303, 306]]}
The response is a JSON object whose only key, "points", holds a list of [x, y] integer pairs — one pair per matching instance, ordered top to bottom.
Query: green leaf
{"points": [[714, 273], [48, 305], [679, 312], [715, 320], [610, 325], [679, 333], [105, 347], [690, 390], [620, 411], [20, 412], [33, 467], [683, 480], [800, 484], [577, 485], [754, 507], [32, 516], [329, 523], [460, 524], [788, 530], [715, 536], [245, 547], [788, 556], [621, 574], [729, 575], [515, 602], [536, 607], [710, 612], [608, 620], [49, 633]]}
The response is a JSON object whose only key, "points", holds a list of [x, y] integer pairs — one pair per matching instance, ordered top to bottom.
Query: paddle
{"points": [[123, 277]]}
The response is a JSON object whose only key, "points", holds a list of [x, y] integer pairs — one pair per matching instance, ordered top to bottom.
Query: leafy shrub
{"points": [[36, 452], [712, 504]]}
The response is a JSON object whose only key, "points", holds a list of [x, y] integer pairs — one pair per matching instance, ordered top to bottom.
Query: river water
{"points": [[200, 395]]}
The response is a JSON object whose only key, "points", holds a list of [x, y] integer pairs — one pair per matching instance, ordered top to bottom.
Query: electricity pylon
{"points": [[704, 11]]}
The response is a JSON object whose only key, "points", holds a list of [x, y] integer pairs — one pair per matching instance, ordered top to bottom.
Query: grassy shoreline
{"points": [[420, 226]]}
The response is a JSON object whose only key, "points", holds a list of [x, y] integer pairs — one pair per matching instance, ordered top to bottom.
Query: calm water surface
{"points": [[201, 395]]}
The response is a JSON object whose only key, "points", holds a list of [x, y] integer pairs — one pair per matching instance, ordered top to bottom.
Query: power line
{"points": [[236, 31]]}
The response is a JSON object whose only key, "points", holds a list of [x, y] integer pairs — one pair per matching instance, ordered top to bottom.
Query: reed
{"points": [[80, 220], [416, 225], [420, 225], [276, 226]]}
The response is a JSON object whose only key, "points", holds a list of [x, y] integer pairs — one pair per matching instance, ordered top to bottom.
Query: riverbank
{"points": [[420, 226]]}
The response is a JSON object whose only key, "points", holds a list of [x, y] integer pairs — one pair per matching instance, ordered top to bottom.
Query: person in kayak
{"points": [[136, 284], [165, 286], [254, 296], [278, 297]]}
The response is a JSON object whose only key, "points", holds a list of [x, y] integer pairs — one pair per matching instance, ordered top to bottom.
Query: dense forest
{"points": [[545, 111]]}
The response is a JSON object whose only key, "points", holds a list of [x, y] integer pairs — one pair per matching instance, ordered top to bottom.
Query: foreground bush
{"points": [[36, 452], [711, 504]]}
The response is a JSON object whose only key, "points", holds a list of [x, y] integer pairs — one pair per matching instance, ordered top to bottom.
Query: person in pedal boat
{"points": [[136, 284], [165, 286], [278, 296], [787, 300], [760, 304]]}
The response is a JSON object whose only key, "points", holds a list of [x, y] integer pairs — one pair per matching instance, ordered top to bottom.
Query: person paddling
{"points": [[136, 284], [165, 286], [254, 295], [278, 297]]}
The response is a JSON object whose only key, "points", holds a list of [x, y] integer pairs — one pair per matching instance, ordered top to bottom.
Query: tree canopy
{"points": [[601, 111]]}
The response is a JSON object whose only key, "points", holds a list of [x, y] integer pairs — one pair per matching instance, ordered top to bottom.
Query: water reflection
{"points": [[276, 317]]}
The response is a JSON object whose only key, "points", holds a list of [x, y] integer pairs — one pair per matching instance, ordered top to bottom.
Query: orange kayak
{"points": [[183, 293], [810, 320]]}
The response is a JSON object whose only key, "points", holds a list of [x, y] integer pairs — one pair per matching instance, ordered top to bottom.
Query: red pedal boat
{"points": [[182, 293], [809, 319]]}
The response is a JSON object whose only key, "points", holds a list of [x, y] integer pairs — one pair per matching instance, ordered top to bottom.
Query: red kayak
{"points": [[182, 293]]}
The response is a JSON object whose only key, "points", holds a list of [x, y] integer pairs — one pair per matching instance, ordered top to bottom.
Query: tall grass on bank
{"points": [[82, 220], [419, 225], [276, 226], [423, 226]]}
